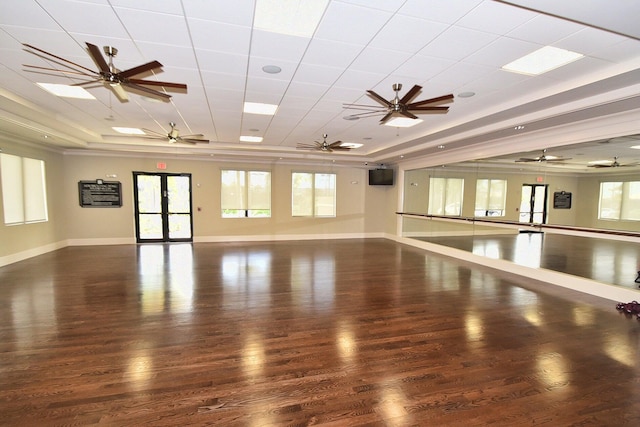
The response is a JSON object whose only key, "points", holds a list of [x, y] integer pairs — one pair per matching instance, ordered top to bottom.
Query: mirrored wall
{"points": [[537, 208]]}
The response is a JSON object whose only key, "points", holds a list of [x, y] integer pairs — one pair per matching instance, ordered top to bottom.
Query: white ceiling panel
{"points": [[338, 25], [406, 34], [220, 37], [457, 43]]}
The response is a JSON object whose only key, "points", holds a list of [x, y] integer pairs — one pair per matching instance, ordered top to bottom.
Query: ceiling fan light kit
{"points": [[173, 136]]}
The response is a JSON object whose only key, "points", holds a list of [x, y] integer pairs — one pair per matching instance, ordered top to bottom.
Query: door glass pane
{"points": [[179, 194], [149, 195], [538, 203], [525, 204], [150, 226], [179, 226]]}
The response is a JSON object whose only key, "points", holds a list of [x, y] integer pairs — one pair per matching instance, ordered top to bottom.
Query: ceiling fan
{"points": [[119, 82], [401, 106], [174, 136], [324, 146], [542, 158], [610, 164]]}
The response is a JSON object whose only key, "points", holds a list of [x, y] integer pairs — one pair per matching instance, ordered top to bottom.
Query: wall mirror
{"points": [[510, 207]]}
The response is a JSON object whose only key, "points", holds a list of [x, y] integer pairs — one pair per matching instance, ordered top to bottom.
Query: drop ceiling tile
{"points": [[386, 5], [172, 7], [447, 12], [241, 13], [29, 15], [494, 17], [97, 19], [338, 23], [155, 27], [544, 30], [407, 34], [219, 37], [589, 40], [457, 43], [278, 46], [501, 52], [331, 53], [169, 56], [382, 61], [220, 62], [420, 68], [317, 74], [359, 79], [223, 81], [262, 85], [306, 90]]}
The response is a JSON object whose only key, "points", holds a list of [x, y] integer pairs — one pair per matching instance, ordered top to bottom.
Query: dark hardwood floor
{"points": [[335, 333]]}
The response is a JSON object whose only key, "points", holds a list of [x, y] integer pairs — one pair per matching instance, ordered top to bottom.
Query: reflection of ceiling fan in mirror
{"points": [[119, 82], [400, 106], [173, 136], [324, 146], [542, 158], [609, 164]]}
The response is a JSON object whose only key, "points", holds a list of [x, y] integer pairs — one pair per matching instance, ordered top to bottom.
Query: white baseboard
{"points": [[285, 237], [99, 242], [30, 253]]}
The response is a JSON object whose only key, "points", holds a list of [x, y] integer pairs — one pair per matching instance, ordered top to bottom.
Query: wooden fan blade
{"points": [[97, 57], [58, 58], [140, 69], [70, 71], [157, 83], [146, 91], [119, 92], [411, 94], [378, 98], [438, 100], [430, 109], [367, 114], [408, 114], [386, 117], [153, 132], [192, 136], [193, 141], [335, 144], [340, 148], [524, 160]]}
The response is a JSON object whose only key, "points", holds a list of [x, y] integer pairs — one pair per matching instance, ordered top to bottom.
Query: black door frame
{"points": [[532, 199], [164, 207]]}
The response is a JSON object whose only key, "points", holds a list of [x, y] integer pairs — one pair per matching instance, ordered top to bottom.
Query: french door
{"points": [[533, 204], [162, 207]]}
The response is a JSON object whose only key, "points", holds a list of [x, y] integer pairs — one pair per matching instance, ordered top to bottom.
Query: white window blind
{"points": [[24, 194]]}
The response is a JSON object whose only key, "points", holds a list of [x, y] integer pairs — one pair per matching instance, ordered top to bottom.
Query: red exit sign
{"points": [[161, 165]]}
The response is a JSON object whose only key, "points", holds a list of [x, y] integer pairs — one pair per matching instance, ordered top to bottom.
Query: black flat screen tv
{"points": [[380, 176]]}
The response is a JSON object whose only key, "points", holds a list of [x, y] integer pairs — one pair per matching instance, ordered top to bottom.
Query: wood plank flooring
{"points": [[332, 333]]}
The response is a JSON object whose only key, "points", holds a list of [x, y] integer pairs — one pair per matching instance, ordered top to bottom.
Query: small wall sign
{"points": [[100, 194], [561, 200]]}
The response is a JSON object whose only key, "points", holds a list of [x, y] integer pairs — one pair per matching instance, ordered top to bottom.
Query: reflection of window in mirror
{"points": [[445, 196], [491, 197]]}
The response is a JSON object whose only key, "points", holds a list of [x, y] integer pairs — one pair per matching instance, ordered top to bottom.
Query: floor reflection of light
{"points": [[489, 248], [528, 249], [151, 269], [251, 270], [441, 275], [181, 280], [319, 292], [520, 296], [33, 311], [584, 315], [532, 316], [474, 329], [346, 342], [618, 348], [253, 357], [552, 369], [139, 370], [392, 404]]}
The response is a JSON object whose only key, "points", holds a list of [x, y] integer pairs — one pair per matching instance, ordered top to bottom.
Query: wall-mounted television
{"points": [[380, 176]]}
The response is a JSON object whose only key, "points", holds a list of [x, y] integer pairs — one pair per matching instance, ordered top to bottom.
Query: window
{"points": [[24, 190], [246, 194], [313, 194], [445, 196], [491, 196], [619, 201]]}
